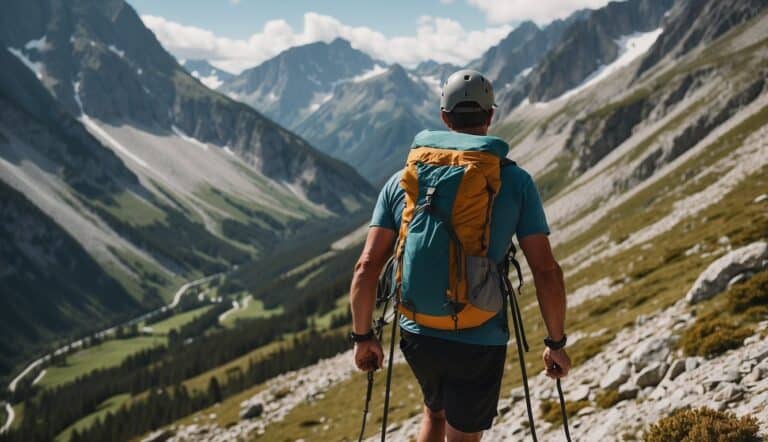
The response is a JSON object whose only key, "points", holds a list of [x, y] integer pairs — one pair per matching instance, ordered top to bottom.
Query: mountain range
{"points": [[643, 123], [139, 164]]}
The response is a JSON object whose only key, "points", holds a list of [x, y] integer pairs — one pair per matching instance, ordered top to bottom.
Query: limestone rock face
{"points": [[715, 278], [652, 350], [651, 375]]}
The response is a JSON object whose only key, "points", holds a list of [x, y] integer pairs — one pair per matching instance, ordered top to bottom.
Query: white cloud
{"points": [[541, 11], [436, 38]]}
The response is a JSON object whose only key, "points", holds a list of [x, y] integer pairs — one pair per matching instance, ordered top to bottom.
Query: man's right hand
{"points": [[368, 355], [556, 363]]}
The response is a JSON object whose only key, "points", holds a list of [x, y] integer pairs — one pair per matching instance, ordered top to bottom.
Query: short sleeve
{"points": [[383, 212], [532, 218]]}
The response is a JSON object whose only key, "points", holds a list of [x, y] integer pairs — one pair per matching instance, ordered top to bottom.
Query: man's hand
{"points": [[368, 355], [556, 363]]}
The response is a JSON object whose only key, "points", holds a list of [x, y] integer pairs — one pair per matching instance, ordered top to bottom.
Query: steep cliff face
{"points": [[588, 44]]}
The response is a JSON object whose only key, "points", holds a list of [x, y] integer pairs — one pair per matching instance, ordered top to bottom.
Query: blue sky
{"points": [[240, 20], [238, 34]]}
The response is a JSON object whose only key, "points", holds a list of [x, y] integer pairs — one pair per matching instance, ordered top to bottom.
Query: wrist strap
{"points": [[354, 337], [556, 345]]}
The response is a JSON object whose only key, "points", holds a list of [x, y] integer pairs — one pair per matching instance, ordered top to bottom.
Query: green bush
{"points": [[750, 293], [711, 336], [607, 398], [550, 410], [703, 425]]}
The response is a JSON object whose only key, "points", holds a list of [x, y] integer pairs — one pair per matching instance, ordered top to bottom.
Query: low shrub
{"points": [[750, 293], [711, 336], [607, 398], [550, 410], [703, 425]]}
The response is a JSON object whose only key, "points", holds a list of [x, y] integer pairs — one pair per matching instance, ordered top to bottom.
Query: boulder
{"points": [[715, 278], [655, 349], [691, 363], [676, 369], [617, 375], [651, 375], [628, 391], [728, 392], [579, 393], [251, 411], [158, 436]]}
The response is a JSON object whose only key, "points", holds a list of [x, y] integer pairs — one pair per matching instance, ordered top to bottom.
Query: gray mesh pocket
{"points": [[483, 285]]}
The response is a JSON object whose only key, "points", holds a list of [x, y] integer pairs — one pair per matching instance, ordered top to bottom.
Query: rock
{"points": [[760, 198], [723, 240], [741, 277], [715, 278], [754, 339], [651, 350], [691, 363], [676, 369], [757, 373], [617, 375], [651, 375], [628, 391], [728, 392], [579, 393], [517, 394], [717, 406], [252, 411], [585, 411], [158, 436]]}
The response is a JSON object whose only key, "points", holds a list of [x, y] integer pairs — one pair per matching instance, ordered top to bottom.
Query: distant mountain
{"points": [[696, 22], [590, 43], [434, 70], [210, 75], [297, 81], [370, 123], [129, 159]]}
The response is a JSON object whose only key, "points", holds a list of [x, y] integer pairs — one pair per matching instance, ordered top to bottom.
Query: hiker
{"points": [[463, 203]]}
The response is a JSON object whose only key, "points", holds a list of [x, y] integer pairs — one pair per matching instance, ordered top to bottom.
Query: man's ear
{"points": [[490, 116], [445, 119]]}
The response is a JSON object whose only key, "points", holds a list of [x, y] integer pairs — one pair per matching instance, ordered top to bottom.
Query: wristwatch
{"points": [[354, 337], [556, 345]]}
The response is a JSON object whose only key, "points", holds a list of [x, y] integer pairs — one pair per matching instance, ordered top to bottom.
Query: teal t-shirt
{"points": [[517, 210]]}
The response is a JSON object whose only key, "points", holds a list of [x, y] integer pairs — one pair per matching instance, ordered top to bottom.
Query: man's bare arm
{"points": [[548, 278], [550, 291], [362, 294]]}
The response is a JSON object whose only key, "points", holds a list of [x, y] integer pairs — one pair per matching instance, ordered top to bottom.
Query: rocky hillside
{"points": [[154, 175], [655, 187]]}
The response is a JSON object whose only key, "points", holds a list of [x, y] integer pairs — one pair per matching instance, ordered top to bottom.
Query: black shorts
{"points": [[462, 379]]}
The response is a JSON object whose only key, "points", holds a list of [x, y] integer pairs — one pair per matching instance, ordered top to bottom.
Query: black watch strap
{"points": [[354, 337], [556, 345]]}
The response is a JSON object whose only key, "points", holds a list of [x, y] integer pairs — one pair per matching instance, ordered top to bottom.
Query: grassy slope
{"points": [[176, 321], [107, 354], [110, 405]]}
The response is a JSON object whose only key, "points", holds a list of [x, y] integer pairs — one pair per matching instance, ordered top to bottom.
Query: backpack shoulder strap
{"points": [[506, 162]]}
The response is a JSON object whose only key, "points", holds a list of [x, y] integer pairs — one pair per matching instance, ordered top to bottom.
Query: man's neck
{"points": [[474, 131]]}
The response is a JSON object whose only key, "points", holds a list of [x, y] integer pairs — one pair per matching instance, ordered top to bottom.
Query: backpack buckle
{"points": [[428, 200]]}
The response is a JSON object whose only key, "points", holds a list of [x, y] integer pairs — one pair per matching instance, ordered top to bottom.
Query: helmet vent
{"points": [[466, 78]]}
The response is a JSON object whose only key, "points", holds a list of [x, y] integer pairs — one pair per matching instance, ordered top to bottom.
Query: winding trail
{"points": [[79, 343]]}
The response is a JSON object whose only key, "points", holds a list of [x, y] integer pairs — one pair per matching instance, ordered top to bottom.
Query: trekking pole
{"points": [[522, 343], [389, 372], [562, 411]]}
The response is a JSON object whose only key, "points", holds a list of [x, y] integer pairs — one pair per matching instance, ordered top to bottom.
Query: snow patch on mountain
{"points": [[631, 47], [116, 51], [37, 67], [373, 72], [211, 81]]}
